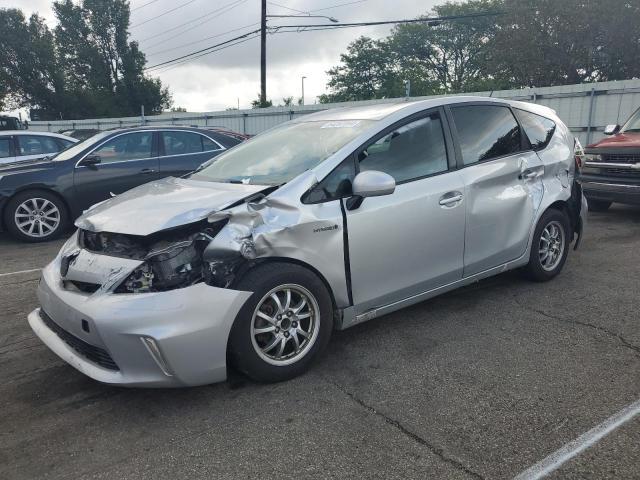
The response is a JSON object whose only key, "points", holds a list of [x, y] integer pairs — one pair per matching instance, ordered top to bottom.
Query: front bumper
{"points": [[611, 189], [162, 339]]}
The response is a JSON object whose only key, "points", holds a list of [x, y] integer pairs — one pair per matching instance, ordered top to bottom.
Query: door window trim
{"points": [[108, 139], [525, 146], [162, 150], [353, 156]]}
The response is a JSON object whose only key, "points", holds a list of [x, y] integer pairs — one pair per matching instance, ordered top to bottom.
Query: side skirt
{"points": [[350, 318]]}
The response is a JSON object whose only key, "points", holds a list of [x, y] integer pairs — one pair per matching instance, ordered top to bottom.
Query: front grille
{"points": [[621, 157], [621, 171], [85, 287], [92, 353]]}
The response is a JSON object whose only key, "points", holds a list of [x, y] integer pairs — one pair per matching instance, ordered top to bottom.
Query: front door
{"points": [[125, 161], [503, 185], [410, 241]]}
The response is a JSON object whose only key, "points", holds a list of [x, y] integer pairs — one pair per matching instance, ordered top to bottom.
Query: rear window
{"points": [[538, 129], [486, 132]]}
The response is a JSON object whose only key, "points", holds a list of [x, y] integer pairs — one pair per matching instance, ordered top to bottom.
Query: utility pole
{"points": [[263, 54], [303, 89]]}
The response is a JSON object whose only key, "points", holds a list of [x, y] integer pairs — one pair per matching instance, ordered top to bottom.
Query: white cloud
{"points": [[216, 81]]}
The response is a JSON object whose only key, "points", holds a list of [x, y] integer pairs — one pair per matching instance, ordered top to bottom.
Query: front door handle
{"points": [[147, 170], [450, 198]]}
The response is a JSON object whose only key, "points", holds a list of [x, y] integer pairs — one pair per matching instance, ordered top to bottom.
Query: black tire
{"points": [[40, 196], [598, 205], [535, 269], [262, 280]]}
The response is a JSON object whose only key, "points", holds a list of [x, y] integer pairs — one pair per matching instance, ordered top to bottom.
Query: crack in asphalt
{"points": [[625, 343], [438, 451]]}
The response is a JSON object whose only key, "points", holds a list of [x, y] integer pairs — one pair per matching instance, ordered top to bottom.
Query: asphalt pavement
{"points": [[479, 383]]}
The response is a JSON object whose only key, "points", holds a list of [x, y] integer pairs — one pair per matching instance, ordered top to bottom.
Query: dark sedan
{"points": [[38, 200]]}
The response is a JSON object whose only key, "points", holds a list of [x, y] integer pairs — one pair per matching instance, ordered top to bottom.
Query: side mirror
{"points": [[611, 129], [91, 160], [371, 183]]}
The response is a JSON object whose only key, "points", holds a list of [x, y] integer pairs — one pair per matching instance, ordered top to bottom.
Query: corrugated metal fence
{"points": [[585, 108]]}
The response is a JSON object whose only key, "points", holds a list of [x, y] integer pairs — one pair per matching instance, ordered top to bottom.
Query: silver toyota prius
{"points": [[317, 224]]}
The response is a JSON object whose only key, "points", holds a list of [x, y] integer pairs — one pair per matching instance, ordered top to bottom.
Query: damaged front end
{"points": [[170, 259]]}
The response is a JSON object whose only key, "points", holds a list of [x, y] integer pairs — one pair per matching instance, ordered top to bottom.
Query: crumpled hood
{"points": [[629, 139], [163, 204]]}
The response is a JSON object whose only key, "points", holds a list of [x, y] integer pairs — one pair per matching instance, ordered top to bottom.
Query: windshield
{"points": [[633, 124], [80, 146], [281, 154]]}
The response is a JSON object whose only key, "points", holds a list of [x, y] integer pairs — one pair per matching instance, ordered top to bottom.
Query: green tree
{"points": [[545, 42], [453, 55], [86, 67], [258, 103]]}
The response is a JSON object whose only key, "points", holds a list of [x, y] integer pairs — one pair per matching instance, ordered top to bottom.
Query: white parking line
{"points": [[21, 271], [580, 444]]}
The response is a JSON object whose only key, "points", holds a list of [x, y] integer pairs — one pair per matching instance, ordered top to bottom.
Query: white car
{"points": [[20, 145]]}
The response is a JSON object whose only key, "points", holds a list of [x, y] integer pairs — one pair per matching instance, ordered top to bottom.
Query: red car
{"points": [[611, 171]]}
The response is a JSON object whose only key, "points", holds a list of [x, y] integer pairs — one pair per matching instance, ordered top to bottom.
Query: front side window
{"points": [[537, 128], [486, 132], [179, 143], [36, 145], [130, 146], [5, 147], [414, 150], [281, 154]]}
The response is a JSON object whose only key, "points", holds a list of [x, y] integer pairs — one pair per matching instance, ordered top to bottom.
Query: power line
{"points": [[234, 3], [144, 5], [338, 5], [288, 8], [220, 12], [164, 13], [327, 26], [201, 40], [203, 50], [177, 64]]}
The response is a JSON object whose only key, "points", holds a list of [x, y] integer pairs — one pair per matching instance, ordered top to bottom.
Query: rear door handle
{"points": [[147, 170], [529, 174], [450, 198]]}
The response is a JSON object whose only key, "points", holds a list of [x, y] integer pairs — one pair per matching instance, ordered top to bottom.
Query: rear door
{"points": [[182, 151], [7, 152], [126, 161], [503, 184]]}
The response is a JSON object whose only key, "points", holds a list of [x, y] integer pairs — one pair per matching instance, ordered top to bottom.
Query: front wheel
{"points": [[36, 216], [550, 246], [284, 325]]}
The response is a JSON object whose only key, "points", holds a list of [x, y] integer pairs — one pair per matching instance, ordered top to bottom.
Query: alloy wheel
{"points": [[37, 217], [552, 245], [285, 324]]}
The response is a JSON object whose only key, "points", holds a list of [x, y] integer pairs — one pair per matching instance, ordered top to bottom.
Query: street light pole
{"points": [[263, 54], [303, 89]]}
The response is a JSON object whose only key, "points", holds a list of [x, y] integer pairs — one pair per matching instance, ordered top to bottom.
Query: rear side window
{"points": [[537, 129], [486, 132], [179, 143], [36, 145], [209, 145], [5, 147]]}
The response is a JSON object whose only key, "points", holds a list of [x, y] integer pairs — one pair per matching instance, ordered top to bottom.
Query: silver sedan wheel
{"points": [[37, 217], [552, 244], [285, 324]]}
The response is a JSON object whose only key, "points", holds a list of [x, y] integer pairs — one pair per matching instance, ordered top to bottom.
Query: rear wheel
{"points": [[598, 205], [35, 216], [550, 246], [285, 324]]}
